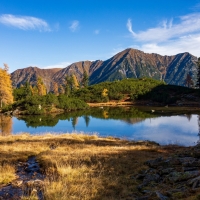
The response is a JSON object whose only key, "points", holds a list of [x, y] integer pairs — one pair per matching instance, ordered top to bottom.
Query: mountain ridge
{"points": [[129, 63]]}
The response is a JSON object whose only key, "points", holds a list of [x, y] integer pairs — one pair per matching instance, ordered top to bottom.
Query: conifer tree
{"points": [[198, 74], [85, 79], [188, 81], [69, 85], [27, 89], [6, 92]]}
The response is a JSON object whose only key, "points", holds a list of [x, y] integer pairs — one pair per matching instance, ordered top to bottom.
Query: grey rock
{"points": [[166, 171], [182, 176], [151, 177], [160, 196]]}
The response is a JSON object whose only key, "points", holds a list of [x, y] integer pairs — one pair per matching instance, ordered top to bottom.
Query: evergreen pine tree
{"points": [[198, 74], [85, 79]]}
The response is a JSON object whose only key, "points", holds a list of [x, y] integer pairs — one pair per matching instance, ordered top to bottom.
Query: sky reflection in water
{"points": [[164, 130]]}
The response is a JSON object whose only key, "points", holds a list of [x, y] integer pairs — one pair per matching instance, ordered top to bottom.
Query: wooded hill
{"points": [[144, 90]]}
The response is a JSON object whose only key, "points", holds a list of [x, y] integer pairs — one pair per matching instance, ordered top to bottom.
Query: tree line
{"points": [[73, 93]]}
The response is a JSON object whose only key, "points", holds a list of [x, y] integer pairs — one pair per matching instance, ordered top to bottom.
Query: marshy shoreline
{"points": [[81, 166]]}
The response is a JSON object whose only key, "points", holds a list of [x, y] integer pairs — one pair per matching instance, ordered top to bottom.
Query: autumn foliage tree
{"points": [[75, 82], [41, 87], [6, 93]]}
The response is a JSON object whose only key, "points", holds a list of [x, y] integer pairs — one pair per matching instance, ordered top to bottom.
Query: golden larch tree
{"points": [[75, 81], [41, 87], [34, 90], [6, 91], [104, 92]]}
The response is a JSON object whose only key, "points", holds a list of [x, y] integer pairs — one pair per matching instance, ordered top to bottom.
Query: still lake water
{"points": [[163, 125]]}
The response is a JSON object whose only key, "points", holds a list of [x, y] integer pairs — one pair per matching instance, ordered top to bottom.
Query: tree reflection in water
{"points": [[87, 120], [74, 122], [5, 125]]}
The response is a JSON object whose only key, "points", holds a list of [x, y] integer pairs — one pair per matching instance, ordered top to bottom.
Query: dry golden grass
{"points": [[111, 103], [80, 166], [7, 173]]}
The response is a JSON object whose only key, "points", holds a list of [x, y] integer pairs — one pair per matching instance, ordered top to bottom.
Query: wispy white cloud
{"points": [[24, 22], [189, 24], [74, 25], [129, 26], [96, 31], [169, 37], [184, 44], [58, 65]]}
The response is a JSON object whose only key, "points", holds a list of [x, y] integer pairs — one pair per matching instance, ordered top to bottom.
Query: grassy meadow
{"points": [[80, 166]]}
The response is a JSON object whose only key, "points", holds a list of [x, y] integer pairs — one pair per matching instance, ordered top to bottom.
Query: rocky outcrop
{"points": [[171, 178]]}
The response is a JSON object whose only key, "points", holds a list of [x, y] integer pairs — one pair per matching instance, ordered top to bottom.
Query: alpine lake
{"points": [[164, 125]]}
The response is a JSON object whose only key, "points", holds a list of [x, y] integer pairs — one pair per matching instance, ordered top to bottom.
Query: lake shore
{"points": [[195, 105], [90, 167]]}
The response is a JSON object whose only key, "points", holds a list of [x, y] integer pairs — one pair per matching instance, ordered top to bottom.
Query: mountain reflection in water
{"points": [[163, 126]]}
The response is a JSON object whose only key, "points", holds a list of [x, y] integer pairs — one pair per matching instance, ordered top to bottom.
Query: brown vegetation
{"points": [[79, 166]]}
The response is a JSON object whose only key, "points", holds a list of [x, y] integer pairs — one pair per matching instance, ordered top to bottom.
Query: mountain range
{"points": [[130, 63]]}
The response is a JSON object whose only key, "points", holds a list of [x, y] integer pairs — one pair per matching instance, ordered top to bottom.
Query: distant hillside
{"points": [[130, 63], [77, 69], [30, 74]]}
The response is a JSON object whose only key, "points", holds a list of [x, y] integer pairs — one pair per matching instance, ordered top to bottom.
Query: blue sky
{"points": [[55, 33]]}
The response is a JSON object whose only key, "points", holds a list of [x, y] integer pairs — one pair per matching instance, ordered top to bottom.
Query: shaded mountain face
{"points": [[130, 63]]}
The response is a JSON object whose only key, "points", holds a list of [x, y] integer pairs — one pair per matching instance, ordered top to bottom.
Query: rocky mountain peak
{"points": [[129, 63]]}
